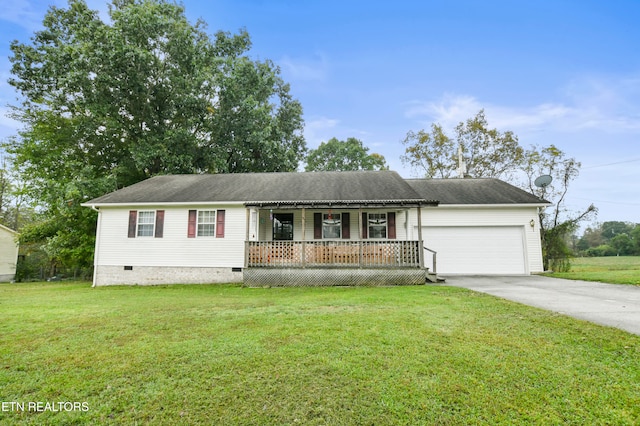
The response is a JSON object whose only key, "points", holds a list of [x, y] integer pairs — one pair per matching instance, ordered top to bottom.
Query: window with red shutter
{"points": [[133, 221], [193, 223], [159, 224], [220, 224], [391, 225]]}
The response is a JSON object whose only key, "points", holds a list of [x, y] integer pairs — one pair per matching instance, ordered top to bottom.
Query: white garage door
{"points": [[476, 250]]}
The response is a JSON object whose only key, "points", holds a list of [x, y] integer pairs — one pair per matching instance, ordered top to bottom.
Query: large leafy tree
{"points": [[107, 104], [486, 152], [432, 153], [490, 153], [349, 155], [557, 222]]}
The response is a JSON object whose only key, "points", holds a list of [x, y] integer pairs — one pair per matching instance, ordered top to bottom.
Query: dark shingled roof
{"points": [[317, 188], [472, 191]]}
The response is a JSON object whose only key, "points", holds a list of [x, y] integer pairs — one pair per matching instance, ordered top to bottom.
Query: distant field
{"points": [[611, 269], [212, 354]]}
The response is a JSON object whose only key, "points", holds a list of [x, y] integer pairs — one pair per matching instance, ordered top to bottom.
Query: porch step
{"points": [[432, 278]]}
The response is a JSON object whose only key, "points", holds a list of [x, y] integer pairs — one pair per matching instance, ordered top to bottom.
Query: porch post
{"points": [[246, 239], [304, 243], [420, 243], [360, 251]]}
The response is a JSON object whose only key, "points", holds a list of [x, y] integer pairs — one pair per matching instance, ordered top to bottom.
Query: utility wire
{"points": [[612, 164], [606, 202]]}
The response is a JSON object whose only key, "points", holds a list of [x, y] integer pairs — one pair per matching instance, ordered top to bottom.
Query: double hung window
{"points": [[146, 223], [206, 223], [377, 223], [331, 225]]}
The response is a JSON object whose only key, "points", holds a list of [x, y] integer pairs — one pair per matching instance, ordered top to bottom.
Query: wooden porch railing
{"points": [[357, 254]]}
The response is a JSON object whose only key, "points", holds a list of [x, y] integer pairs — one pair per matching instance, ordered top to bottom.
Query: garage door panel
{"points": [[477, 250]]}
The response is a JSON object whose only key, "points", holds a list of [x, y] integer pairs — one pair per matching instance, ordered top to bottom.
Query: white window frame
{"points": [[206, 223], [146, 224], [386, 225], [326, 226]]}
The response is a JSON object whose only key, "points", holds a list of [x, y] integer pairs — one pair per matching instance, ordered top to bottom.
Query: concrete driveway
{"points": [[607, 304]]}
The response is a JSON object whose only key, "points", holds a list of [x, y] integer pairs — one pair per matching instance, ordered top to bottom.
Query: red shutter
{"points": [[133, 220], [193, 221], [159, 223], [220, 224], [391, 225], [317, 226], [365, 226], [346, 227]]}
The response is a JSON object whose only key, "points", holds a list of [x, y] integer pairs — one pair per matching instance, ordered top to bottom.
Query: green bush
{"points": [[601, 251]]}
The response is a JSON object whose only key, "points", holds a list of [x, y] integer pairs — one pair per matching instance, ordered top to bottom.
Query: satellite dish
{"points": [[543, 181]]}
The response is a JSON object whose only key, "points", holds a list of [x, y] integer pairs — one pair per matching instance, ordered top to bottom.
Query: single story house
{"points": [[320, 228], [8, 253]]}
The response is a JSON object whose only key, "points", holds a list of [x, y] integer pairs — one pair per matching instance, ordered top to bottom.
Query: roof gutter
{"points": [[162, 203], [341, 203], [490, 206]]}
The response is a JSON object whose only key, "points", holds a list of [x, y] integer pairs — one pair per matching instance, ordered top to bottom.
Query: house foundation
{"points": [[159, 275], [325, 277]]}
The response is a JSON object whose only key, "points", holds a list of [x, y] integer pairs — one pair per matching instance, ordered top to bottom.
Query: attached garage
{"points": [[481, 226], [499, 250]]}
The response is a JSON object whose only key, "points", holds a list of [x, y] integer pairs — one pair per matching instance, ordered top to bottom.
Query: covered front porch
{"points": [[323, 245]]}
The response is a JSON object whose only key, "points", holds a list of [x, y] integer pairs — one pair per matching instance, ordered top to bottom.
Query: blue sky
{"points": [[562, 72]]}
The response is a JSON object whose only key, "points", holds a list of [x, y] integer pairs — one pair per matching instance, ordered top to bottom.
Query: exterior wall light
{"points": [[532, 223]]}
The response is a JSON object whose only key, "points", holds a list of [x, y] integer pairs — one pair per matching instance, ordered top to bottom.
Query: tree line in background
{"points": [[106, 105], [612, 238]]}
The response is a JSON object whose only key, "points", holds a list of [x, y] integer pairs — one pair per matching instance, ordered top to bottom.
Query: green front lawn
{"points": [[611, 269], [232, 355]]}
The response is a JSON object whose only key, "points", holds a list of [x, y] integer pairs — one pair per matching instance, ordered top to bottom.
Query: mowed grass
{"points": [[610, 269], [313, 356]]}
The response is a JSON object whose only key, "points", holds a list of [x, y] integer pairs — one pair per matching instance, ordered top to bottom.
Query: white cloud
{"points": [[27, 14], [313, 69], [606, 105], [448, 111], [319, 130]]}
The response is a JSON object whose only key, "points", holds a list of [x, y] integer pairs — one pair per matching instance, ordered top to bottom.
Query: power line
{"points": [[612, 164], [606, 202]]}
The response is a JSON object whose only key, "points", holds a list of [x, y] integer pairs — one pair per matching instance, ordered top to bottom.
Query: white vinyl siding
{"points": [[265, 230], [175, 248], [8, 254]]}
